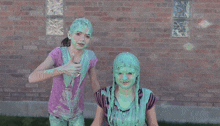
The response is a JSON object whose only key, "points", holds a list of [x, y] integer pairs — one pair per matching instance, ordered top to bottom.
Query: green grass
{"points": [[42, 121]]}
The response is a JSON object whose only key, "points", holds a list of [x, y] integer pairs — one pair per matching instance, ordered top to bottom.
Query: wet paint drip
{"points": [[80, 24], [49, 71], [67, 97], [116, 117], [128, 117], [79, 121]]}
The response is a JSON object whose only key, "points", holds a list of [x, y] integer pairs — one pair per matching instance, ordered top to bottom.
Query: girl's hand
{"points": [[71, 68]]}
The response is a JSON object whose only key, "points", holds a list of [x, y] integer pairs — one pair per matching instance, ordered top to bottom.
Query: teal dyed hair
{"points": [[83, 23], [124, 59]]}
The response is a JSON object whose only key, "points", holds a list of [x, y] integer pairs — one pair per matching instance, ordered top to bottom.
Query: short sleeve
{"points": [[56, 55], [93, 59], [100, 99], [152, 101]]}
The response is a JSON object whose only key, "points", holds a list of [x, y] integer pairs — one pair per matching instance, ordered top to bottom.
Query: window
{"points": [[181, 18], [54, 24]]}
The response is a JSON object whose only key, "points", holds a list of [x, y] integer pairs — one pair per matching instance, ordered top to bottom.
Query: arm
{"points": [[43, 71], [39, 73], [94, 82], [98, 117], [151, 117]]}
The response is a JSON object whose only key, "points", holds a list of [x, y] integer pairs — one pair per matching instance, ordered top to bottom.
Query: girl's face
{"points": [[80, 38], [125, 77]]}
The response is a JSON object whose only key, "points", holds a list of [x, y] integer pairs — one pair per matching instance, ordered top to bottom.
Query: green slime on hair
{"points": [[79, 25], [127, 60]]}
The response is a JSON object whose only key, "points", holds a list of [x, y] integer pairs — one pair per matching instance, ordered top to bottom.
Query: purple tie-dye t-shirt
{"points": [[58, 101]]}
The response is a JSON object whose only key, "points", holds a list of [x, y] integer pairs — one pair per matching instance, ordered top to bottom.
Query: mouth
{"points": [[81, 44]]}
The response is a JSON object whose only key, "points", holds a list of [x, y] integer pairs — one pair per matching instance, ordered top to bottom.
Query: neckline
{"points": [[82, 54], [120, 107]]}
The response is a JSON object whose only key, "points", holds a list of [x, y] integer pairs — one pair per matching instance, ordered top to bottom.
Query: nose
{"points": [[82, 38], [125, 77]]}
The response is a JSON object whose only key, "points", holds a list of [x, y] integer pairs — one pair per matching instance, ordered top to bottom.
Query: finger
{"points": [[77, 65]]}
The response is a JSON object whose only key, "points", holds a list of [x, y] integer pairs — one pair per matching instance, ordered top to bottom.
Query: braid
{"points": [[136, 99], [111, 104]]}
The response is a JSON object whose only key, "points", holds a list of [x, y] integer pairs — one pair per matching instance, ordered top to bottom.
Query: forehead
{"points": [[126, 69]]}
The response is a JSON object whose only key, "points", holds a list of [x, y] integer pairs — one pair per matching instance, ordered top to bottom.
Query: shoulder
{"points": [[55, 52], [91, 54]]}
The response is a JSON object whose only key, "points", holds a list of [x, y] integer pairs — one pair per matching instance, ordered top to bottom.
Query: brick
{"points": [[6, 2], [23, 3], [37, 3], [162, 5], [14, 8], [91, 8], [124, 9], [163, 10], [99, 14], [166, 15], [107, 19], [123, 19], [155, 20], [21, 22], [6, 23], [37, 23], [7, 33], [113, 34], [146, 44], [31, 47], [107, 48], [123, 49], [38, 52], [26, 71], [31, 85], [10, 90], [25, 90], [39, 90], [213, 90], [17, 94], [32, 94], [191, 94], [47, 95], [206, 95], [10, 98], [24, 98], [167, 98], [199, 99], [214, 99], [189, 103], [205, 104], [216, 105]]}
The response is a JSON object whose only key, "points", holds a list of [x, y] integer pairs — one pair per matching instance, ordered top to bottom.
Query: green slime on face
{"points": [[79, 25], [128, 61], [124, 71]]}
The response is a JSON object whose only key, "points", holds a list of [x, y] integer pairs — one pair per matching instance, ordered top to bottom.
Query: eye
{"points": [[78, 33], [88, 36], [119, 73], [129, 73]]}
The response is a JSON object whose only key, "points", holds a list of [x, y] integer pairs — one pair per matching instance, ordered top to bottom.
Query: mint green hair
{"points": [[81, 23], [124, 59]]}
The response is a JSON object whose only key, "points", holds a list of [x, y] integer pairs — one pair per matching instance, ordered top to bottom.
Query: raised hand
{"points": [[71, 68]]}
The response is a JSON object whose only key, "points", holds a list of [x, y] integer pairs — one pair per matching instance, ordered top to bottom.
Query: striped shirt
{"points": [[103, 101]]}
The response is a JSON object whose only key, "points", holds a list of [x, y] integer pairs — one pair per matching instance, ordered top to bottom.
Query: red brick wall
{"points": [[142, 27]]}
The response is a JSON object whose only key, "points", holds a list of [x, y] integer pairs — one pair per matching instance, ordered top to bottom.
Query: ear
{"points": [[69, 35]]}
